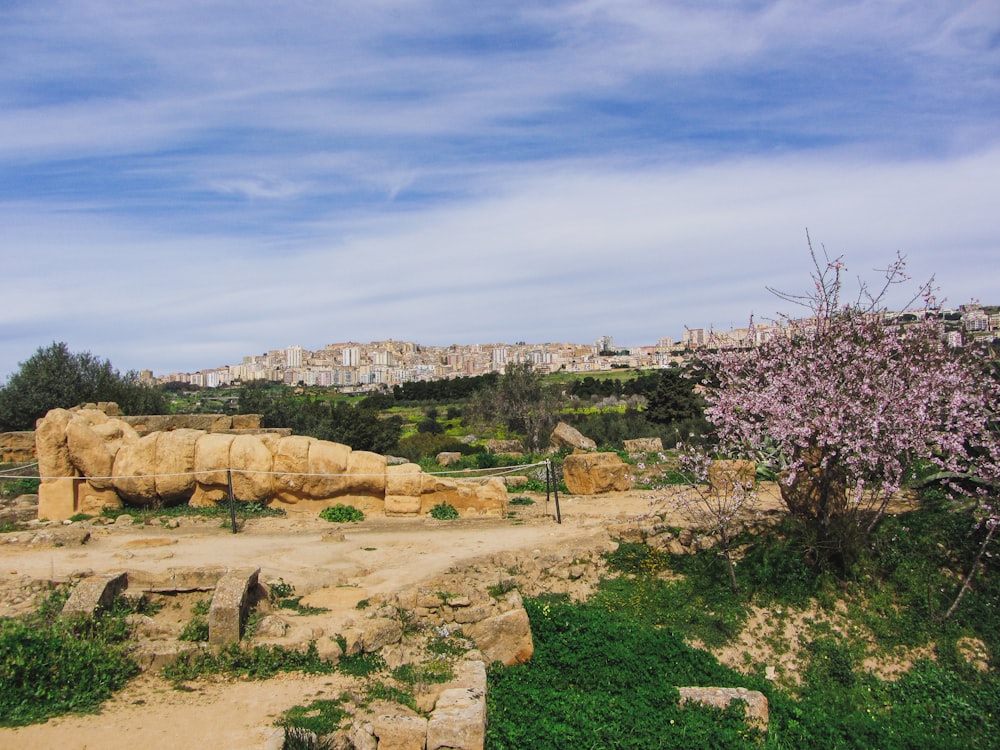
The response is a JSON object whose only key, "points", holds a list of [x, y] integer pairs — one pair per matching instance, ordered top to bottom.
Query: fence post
{"points": [[551, 469], [232, 499]]}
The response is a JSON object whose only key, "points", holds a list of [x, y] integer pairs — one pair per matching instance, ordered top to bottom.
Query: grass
{"points": [[220, 510], [341, 513], [50, 665], [602, 668]]}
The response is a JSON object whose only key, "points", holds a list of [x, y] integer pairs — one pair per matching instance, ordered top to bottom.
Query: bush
{"points": [[444, 512], [341, 513], [51, 666]]}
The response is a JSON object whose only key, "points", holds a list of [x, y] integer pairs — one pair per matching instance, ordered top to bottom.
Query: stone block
{"points": [[92, 595], [229, 607]]}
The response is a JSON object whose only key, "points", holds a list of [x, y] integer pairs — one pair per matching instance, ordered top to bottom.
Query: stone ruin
{"points": [[89, 460]]}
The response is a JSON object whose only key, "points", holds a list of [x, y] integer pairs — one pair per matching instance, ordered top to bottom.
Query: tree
{"points": [[54, 377], [520, 401], [846, 401]]}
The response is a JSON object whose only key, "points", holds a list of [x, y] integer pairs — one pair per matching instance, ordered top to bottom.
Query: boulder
{"points": [[565, 436], [644, 445], [17, 447], [507, 447], [447, 458], [211, 460], [252, 464], [291, 465], [327, 465], [174, 467], [133, 470], [594, 473], [724, 476], [505, 637], [458, 720], [400, 731]]}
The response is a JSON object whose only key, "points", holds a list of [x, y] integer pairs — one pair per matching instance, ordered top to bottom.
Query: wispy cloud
{"points": [[188, 182]]}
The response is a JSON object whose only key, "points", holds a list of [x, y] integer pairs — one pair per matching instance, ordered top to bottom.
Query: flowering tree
{"points": [[845, 401], [717, 497]]}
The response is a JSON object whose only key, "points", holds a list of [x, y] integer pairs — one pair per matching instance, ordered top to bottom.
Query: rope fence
{"points": [[551, 478]]}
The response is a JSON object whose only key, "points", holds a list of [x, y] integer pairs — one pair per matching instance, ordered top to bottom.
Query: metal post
{"points": [[548, 483], [555, 492], [232, 499]]}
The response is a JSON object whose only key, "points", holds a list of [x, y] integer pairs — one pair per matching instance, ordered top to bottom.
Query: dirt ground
{"points": [[340, 563]]}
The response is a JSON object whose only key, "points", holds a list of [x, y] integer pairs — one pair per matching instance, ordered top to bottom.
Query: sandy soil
{"points": [[377, 556]]}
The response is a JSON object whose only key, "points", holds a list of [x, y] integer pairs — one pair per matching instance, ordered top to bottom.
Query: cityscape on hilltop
{"points": [[383, 364]]}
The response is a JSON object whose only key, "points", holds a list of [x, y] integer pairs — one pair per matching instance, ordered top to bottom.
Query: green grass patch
{"points": [[444, 512], [341, 513], [51, 665], [321, 717]]}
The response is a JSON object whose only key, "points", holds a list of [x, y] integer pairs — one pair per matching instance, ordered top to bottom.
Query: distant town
{"points": [[383, 364]]}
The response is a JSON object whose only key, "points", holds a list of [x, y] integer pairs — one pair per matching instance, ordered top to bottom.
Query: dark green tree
{"points": [[54, 377], [674, 399], [521, 402]]}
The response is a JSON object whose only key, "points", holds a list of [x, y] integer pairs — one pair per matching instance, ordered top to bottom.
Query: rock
{"points": [[565, 436], [644, 445], [17, 447], [505, 447], [447, 458], [251, 462], [174, 467], [594, 473], [724, 476], [271, 626], [378, 632], [505, 638], [974, 651], [756, 702], [458, 720], [400, 731]]}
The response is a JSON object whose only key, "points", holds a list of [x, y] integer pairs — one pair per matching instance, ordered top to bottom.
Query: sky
{"points": [[187, 182]]}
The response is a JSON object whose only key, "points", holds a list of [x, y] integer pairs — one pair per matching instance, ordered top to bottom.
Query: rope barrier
{"points": [[497, 471]]}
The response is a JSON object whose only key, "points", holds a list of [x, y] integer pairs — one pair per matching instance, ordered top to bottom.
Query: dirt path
{"points": [[377, 556]]}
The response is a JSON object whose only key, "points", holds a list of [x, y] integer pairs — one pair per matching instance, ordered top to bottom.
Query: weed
{"points": [[520, 500], [444, 512], [341, 513], [51, 665], [361, 665], [320, 717]]}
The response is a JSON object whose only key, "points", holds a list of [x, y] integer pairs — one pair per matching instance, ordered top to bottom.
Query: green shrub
{"points": [[520, 500], [444, 512], [341, 513], [51, 666], [320, 717]]}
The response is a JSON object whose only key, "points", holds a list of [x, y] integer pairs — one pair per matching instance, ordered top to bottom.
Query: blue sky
{"points": [[184, 183]]}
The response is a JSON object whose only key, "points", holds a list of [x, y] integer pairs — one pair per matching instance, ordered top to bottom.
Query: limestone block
{"points": [[246, 421], [566, 436], [50, 444], [644, 445], [17, 447], [89, 453], [447, 458], [211, 459], [328, 462], [252, 464], [291, 464], [174, 466], [133, 469], [367, 473], [594, 473], [724, 476], [403, 479], [57, 499], [92, 500], [401, 505], [95, 594], [229, 606], [378, 632], [505, 637], [756, 702], [458, 720], [400, 731]]}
